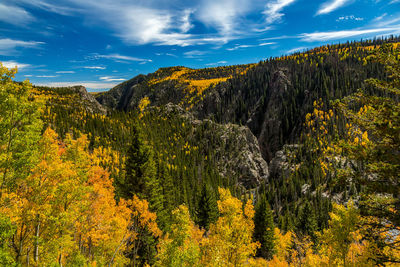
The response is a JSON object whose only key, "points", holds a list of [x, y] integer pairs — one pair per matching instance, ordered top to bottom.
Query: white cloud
{"points": [[330, 6], [60, 7], [273, 10], [15, 15], [223, 15], [351, 17], [379, 18], [155, 22], [387, 22], [186, 25], [337, 35], [278, 38], [268, 43], [8, 46], [239, 46], [247, 46], [297, 49], [195, 53], [119, 57], [217, 63], [13, 64], [94, 67], [65, 71], [46, 76], [111, 79], [88, 84]]}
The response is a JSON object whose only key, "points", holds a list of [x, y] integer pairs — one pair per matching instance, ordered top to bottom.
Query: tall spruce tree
{"points": [[138, 167], [141, 173], [141, 179], [207, 209], [307, 223], [264, 228]]}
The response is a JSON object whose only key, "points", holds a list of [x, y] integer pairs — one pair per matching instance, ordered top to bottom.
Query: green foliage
{"points": [[19, 128], [372, 142], [140, 168], [207, 209], [307, 223], [264, 228], [7, 230], [342, 232], [181, 247]]}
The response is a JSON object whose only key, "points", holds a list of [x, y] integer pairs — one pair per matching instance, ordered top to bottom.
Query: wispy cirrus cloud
{"points": [[330, 6], [59, 7], [273, 10], [15, 15], [223, 15], [351, 17], [379, 18], [155, 22], [337, 35], [8, 46], [248, 46], [297, 49], [195, 53], [118, 57], [222, 62], [13, 64], [95, 67], [65, 72], [46, 76], [111, 79]]}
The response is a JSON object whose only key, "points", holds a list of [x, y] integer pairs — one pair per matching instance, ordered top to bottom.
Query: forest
{"points": [[292, 161]]}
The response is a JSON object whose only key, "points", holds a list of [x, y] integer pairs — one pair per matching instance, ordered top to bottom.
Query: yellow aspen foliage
{"points": [[143, 103], [65, 211], [143, 217], [143, 222], [230, 239], [342, 242], [282, 244], [182, 247]]}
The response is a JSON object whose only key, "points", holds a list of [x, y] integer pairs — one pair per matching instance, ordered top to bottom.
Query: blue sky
{"points": [[100, 43]]}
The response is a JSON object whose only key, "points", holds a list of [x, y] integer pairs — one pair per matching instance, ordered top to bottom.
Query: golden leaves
{"points": [[143, 103]]}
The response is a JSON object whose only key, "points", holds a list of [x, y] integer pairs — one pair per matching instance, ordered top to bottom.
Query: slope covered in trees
{"points": [[146, 181]]}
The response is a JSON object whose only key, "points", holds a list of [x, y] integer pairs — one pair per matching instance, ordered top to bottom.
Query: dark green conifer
{"points": [[207, 210], [307, 223], [264, 228]]}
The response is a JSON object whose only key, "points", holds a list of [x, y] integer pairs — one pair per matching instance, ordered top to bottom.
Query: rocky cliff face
{"points": [[120, 96], [90, 102], [270, 129], [236, 151], [240, 154], [281, 166]]}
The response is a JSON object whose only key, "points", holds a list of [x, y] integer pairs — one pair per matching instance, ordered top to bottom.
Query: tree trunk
{"points": [[3, 182], [36, 245], [28, 250], [116, 250], [60, 260]]}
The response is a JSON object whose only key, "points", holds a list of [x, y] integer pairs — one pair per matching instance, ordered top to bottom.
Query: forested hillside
{"points": [[292, 161]]}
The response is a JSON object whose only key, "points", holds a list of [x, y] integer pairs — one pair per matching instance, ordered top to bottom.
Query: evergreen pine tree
{"points": [[136, 167], [141, 173], [141, 179], [207, 209], [307, 223], [264, 228]]}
